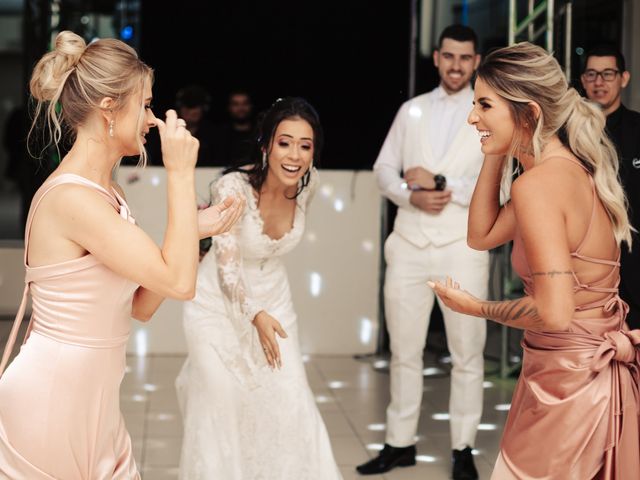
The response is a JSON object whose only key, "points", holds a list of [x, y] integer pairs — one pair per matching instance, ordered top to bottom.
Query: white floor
{"points": [[352, 397]]}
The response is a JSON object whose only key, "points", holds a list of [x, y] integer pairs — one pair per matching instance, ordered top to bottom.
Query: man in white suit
{"points": [[428, 167]]}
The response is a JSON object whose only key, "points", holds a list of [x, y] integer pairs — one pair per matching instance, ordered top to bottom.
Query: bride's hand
{"points": [[218, 219], [267, 327]]}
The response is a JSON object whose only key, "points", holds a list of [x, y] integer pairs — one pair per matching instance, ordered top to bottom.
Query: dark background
{"points": [[348, 58]]}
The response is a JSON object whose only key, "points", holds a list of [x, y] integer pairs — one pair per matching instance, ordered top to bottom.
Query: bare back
{"points": [[589, 234]]}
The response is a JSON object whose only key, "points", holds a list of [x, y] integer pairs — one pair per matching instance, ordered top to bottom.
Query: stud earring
{"points": [[111, 124]]}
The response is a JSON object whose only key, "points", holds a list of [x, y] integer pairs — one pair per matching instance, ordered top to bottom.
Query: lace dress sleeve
{"points": [[228, 254], [239, 305]]}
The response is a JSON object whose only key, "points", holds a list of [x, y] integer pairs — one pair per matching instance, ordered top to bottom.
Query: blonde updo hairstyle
{"points": [[525, 73], [69, 82]]}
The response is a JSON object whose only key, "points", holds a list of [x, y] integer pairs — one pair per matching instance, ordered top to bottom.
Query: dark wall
{"points": [[348, 58]]}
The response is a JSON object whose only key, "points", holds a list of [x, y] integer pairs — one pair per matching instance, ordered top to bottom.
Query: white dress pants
{"points": [[408, 304]]}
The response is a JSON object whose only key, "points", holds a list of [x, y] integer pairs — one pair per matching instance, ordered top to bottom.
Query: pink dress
{"points": [[59, 399], [575, 410]]}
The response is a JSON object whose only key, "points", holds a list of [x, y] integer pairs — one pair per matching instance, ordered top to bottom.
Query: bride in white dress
{"points": [[248, 411]]}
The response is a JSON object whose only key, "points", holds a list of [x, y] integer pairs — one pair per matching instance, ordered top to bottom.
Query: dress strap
{"points": [[577, 162]]}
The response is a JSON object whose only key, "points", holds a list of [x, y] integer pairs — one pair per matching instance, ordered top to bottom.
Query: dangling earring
{"points": [[111, 124], [264, 160]]}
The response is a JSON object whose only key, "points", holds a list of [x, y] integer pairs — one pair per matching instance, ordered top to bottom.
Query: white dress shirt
{"points": [[448, 112]]}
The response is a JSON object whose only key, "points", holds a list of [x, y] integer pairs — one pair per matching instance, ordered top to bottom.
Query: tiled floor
{"points": [[352, 397]]}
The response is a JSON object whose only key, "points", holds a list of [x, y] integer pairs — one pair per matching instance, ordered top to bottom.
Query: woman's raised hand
{"points": [[179, 147], [218, 219]]}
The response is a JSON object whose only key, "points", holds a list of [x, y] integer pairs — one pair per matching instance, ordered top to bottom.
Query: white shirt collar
{"points": [[441, 93]]}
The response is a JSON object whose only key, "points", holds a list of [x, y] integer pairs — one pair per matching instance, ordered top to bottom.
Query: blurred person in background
{"points": [[604, 78], [233, 138]]}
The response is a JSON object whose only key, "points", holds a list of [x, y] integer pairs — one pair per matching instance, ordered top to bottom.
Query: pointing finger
{"points": [[171, 120], [162, 127]]}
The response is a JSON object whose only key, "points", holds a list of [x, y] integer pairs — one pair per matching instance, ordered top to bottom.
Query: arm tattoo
{"points": [[552, 273], [519, 313]]}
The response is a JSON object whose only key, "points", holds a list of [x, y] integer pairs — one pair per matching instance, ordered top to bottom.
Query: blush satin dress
{"points": [[59, 399], [574, 413]]}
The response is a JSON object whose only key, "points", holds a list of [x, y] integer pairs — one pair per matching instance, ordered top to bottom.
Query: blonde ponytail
{"points": [[584, 130]]}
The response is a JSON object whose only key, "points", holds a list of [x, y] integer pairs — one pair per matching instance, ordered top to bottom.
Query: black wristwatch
{"points": [[441, 182]]}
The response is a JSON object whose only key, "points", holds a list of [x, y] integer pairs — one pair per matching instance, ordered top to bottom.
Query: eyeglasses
{"points": [[608, 75]]}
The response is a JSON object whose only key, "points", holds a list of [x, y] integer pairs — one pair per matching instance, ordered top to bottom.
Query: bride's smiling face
{"points": [[291, 151]]}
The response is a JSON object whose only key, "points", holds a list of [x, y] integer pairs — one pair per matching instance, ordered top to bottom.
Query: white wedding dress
{"points": [[243, 421]]}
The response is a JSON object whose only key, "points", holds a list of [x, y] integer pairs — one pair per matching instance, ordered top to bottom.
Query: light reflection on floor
{"points": [[352, 397]]}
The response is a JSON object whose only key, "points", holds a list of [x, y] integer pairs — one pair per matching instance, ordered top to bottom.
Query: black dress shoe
{"points": [[390, 457], [463, 467]]}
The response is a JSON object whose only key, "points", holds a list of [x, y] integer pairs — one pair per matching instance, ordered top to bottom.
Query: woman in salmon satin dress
{"points": [[89, 268], [574, 413]]}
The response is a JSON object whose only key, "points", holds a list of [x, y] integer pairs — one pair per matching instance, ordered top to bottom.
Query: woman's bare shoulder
{"points": [[555, 174]]}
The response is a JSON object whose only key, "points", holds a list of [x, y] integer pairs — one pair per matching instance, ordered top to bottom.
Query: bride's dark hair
{"points": [[282, 109]]}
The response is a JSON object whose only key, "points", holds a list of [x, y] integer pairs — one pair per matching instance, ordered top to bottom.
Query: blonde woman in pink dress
{"points": [[89, 268], [574, 413]]}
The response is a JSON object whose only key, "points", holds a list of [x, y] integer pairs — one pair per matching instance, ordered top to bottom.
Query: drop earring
{"points": [[111, 124], [264, 160]]}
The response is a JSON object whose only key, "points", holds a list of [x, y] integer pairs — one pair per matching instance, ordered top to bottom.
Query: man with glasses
{"points": [[603, 79]]}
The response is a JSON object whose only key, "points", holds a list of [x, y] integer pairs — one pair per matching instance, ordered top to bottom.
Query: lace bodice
{"points": [[248, 233]]}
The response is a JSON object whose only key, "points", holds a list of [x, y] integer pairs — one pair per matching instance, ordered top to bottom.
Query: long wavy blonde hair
{"points": [[525, 73], [69, 82]]}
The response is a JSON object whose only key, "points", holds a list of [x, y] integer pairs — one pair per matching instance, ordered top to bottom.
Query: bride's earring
{"points": [[111, 124], [264, 160]]}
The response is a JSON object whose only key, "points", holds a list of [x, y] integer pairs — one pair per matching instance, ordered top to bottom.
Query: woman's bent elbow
{"points": [[474, 243], [184, 291], [186, 294], [143, 317], [556, 321]]}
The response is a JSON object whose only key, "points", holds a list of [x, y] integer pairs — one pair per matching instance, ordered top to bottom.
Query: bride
{"points": [[248, 411]]}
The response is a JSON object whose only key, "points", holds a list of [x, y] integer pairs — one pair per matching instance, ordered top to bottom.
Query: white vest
{"points": [[462, 159]]}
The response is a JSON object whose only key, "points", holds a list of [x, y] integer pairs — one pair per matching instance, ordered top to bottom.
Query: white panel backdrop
{"points": [[334, 272]]}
